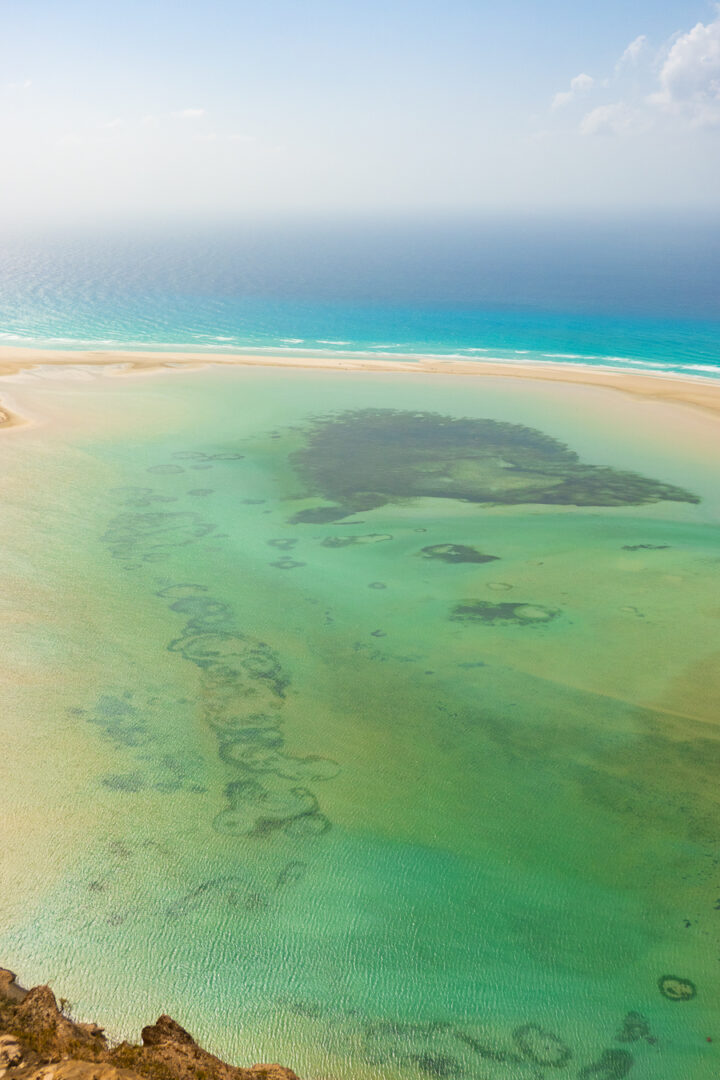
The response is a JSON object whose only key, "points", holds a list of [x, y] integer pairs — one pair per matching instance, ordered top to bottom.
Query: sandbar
{"points": [[696, 392]]}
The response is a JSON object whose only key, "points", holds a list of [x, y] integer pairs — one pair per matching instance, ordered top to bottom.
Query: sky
{"points": [[227, 109]]}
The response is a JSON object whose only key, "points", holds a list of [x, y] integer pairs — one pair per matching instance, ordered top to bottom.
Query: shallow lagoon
{"points": [[329, 800]]}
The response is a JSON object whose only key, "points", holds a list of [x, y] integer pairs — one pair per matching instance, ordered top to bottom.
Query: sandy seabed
{"points": [[519, 815]]}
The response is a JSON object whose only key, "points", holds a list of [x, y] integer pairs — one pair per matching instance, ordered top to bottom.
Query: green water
{"points": [[330, 795]]}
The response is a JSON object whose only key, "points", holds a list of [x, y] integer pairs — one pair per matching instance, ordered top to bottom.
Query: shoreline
{"points": [[667, 387], [40, 1040]]}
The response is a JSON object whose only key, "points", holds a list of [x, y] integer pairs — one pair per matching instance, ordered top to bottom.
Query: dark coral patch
{"points": [[359, 460], [165, 470], [320, 515], [150, 536], [350, 541], [282, 543], [645, 547], [456, 553], [486, 612], [128, 782], [260, 808], [676, 989], [635, 1028], [540, 1046], [438, 1065], [612, 1065]]}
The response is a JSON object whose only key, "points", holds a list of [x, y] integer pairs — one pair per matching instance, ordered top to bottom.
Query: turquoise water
{"points": [[639, 297], [380, 764]]}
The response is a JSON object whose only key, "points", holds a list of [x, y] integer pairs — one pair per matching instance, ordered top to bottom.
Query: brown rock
{"points": [[9, 988], [39, 1009], [166, 1030], [170, 1045], [53, 1047], [10, 1051], [80, 1070]]}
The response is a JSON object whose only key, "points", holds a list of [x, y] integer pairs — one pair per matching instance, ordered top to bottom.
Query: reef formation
{"points": [[366, 458], [456, 553], [483, 611], [242, 683]]}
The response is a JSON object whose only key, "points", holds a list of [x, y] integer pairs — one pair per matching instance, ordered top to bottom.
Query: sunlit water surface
{"points": [[350, 794]]}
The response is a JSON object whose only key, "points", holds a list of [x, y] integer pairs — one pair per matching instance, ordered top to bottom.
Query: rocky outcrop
{"points": [[39, 1042]]}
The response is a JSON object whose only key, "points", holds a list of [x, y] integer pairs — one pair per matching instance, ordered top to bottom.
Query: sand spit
{"points": [[699, 393], [38, 1041]]}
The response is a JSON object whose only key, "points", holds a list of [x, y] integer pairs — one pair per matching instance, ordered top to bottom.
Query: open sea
{"points": [[636, 295], [362, 722]]}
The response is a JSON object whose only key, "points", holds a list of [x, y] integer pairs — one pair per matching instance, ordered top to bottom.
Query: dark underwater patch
{"points": [[363, 459], [165, 470], [320, 515], [150, 536], [351, 541], [282, 543], [645, 547], [456, 553], [487, 612], [241, 692], [129, 782], [257, 809], [676, 989], [635, 1028], [540, 1046], [438, 1065], [612, 1065]]}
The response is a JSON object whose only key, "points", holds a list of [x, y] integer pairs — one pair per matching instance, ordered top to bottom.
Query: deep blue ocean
{"points": [[632, 294]]}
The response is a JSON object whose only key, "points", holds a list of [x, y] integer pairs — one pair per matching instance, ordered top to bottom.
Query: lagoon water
{"points": [[378, 768]]}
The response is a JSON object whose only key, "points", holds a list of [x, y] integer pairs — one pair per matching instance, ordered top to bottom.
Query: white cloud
{"points": [[633, 51], [690, 76], [24, 84], [579, 85], [674, 88], [156, 119], [615, 119]]}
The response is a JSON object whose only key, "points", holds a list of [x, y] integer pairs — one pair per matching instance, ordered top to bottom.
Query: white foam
{"points": [[574, 356]]}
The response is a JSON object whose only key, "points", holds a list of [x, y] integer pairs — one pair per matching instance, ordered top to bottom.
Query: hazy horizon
{"points": [[232, 111]]}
